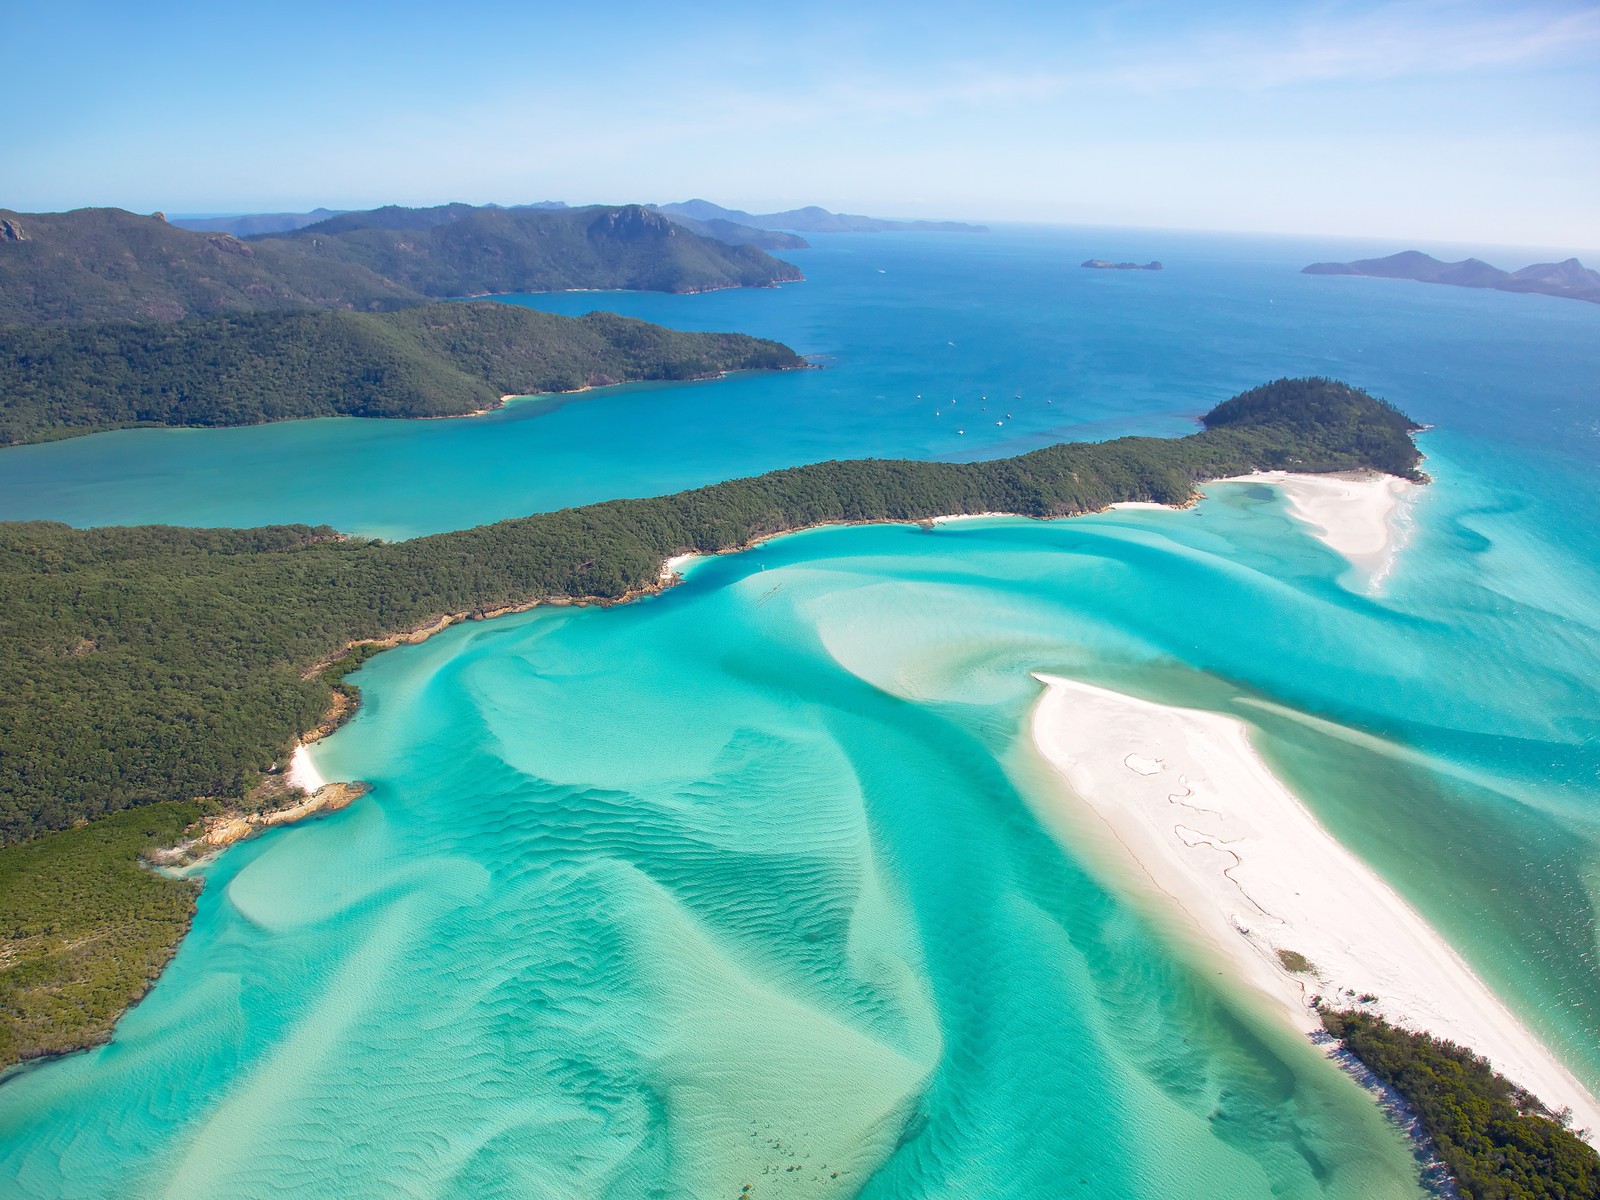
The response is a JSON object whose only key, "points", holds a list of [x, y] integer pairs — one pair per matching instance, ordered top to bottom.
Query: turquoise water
{"points": [[669, 898]]}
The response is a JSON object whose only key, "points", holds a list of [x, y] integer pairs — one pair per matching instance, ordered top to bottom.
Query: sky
{"points": [[1437, 120]]}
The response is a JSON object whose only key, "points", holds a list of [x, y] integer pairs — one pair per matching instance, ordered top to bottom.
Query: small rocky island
{"points": [[1104, 264], [1569, 279]]}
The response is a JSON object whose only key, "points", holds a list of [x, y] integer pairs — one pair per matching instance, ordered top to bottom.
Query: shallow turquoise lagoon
{"points": [[760, 882], [671, 898]]}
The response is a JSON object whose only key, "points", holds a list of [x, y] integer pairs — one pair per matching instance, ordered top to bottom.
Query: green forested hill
{"points": [[457, 250], [102, 264], [436, 360]]}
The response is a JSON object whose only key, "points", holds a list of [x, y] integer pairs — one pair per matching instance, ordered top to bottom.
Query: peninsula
{"points": [[1569, 279], [439, 360], [141, 668], [1251, 870]]}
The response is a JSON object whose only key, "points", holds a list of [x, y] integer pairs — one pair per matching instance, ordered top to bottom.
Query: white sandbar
{"points": [[1352, 513], [303, 773], [1245, 861]]}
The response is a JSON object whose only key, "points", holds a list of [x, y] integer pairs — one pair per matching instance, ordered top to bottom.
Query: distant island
{"points": [[810, 220], [106, 264], [1102, 264], [1570, 279]]}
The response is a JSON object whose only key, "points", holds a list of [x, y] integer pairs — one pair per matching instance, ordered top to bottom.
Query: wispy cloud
{"points": [[1414, 39], [1421, 39]]}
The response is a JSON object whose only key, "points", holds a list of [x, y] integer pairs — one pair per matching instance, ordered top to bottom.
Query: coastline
{"points": [[577, 391], [63, 433], [279, 802], [1258, 879]]}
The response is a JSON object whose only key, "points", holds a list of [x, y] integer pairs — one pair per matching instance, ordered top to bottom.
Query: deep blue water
{"points": [[1092, 354]]}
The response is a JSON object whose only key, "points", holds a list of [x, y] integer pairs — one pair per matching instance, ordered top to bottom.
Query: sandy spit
{"points": [[1357, 514], [1233, 851]]}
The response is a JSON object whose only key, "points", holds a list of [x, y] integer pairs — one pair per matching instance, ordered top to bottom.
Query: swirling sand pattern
{"points": [[743, 887]]}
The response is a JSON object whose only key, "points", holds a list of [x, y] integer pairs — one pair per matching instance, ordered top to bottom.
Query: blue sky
{"points": [[1439, 120]]}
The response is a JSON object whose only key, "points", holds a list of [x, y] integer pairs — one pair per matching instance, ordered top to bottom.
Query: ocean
{"points": [[756, 888]]}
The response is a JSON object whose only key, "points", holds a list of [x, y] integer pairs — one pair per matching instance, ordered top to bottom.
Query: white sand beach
{"points": [[1353, 513], [952, 518], [674, 565], [303, 772], [1246, 862]]}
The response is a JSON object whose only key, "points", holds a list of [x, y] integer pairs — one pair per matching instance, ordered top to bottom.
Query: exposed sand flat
{"points": [[1352, 513], [1245, 860]]}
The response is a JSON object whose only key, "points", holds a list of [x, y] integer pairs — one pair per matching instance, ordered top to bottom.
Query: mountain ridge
{"points": [[100, 264]]}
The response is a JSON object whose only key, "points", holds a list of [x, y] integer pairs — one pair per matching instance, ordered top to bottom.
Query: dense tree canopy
{"points": [[436, 360], [1498, 1142]]}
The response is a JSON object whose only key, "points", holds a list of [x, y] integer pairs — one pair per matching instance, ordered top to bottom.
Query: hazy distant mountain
{"points": [[395, 216], [811, 220], [257, 224], [245, 226], [738, 235], [460, 250], [105, 264], [1570, 279]]}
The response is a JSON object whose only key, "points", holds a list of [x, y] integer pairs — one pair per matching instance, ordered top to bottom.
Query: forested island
{"points": [[105, 264], [1569, 279], [433, 361], [142, 668], [1497, 1141]]}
